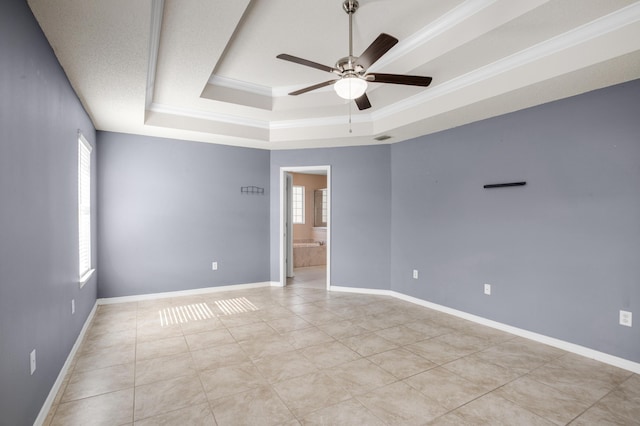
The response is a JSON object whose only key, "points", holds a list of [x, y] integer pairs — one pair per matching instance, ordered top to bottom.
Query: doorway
{"points": [[321, 238]]}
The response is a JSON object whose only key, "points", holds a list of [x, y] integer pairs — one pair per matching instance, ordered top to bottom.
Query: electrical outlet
{"points": [[214, 266], [415, 274], [487, 289], [73, 306], [625, 318], [32, 361]]}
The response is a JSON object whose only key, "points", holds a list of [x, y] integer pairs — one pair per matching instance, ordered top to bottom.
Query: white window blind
{"points": [[297, 204], [84, 206], [324, 206]]}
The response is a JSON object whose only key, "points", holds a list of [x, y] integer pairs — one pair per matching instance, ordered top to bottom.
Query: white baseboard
{"points": [[372, 291], [180, 293], [551, 341], [48, 403]]}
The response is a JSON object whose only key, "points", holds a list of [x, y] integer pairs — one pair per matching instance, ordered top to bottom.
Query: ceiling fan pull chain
{"points": [[350, 130]]}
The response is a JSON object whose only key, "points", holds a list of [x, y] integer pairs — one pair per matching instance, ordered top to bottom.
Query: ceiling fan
{"points": [[352, 70]]}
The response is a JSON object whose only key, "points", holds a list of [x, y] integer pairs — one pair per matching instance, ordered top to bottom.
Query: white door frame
{"points": [[288, 228], [283, 245]]}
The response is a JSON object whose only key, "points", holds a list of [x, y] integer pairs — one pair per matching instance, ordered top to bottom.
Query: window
{"points": [[297, 204], [324, 206], [84, 208]]}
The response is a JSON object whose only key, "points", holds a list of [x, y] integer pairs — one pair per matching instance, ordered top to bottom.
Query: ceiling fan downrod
{"points": [[350, 6]]}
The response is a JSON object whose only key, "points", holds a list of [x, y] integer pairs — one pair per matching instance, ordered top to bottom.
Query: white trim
{"points": [[157, 12], [436, 28], [245, 86], [257, 89], [208, 115], [360, 117], [257, 123], [86, 276], [369, 291], [180, 293], [541, 338], [48, 403]]}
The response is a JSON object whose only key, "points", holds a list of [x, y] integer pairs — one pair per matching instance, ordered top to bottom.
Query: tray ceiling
{"points": [[207, 70]]}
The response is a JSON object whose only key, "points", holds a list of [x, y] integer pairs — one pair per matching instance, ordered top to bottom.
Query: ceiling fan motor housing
{"points": [[350, 6], [348, 66]]}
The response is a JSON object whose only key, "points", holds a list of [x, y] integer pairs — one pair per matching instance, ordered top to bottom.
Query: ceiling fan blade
{"points": [[379, 47], [307, 63], [410, 80], [314, 87], [363, 102]]}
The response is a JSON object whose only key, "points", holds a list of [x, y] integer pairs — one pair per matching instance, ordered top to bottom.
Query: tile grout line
{"points": [[274, 301]]}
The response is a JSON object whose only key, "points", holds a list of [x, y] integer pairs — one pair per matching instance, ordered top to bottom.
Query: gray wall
{"points": [[39, 119], [169, 208], [360, 211], [563, 252]]}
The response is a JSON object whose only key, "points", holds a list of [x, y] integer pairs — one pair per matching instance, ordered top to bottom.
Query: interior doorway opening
{"points": [[305, 223]]}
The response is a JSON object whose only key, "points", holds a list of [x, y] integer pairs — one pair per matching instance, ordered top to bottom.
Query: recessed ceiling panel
{"points": [[207, 70]]}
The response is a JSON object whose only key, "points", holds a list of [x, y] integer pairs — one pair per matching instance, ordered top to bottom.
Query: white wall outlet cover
{"points": [[214, 266], [415, 274], [487, 289], [626, 318], [32, 361]]}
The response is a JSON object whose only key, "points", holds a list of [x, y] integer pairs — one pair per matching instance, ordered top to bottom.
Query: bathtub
{"points": [[311, 244], [309, 253]]}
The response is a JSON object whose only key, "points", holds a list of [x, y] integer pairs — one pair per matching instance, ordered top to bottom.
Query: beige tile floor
{"points": [[305, 356]]}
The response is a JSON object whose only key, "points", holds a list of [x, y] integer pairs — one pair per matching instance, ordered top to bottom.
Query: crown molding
{"points": [[157, 12], [440, 26], [436, 28], [589, 31], [584, 33], [245, 86], [257, 89], [207, 115], [318, 122], [260, 124]]}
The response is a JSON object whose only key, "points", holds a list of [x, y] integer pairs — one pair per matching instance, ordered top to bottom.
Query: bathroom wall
{"points": [[310, 183]]}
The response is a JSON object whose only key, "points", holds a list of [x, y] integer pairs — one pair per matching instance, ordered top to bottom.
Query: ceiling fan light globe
{"points": [[350, 87]]}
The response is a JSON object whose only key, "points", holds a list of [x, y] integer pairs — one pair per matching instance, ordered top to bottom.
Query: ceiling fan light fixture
{"points": [[350, 87]]}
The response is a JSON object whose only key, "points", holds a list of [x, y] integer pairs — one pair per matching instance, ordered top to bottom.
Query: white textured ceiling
{"points": [[206, 70]]}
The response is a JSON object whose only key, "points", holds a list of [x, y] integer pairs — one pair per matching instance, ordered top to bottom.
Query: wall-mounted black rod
{"points": [[502, 185]]}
